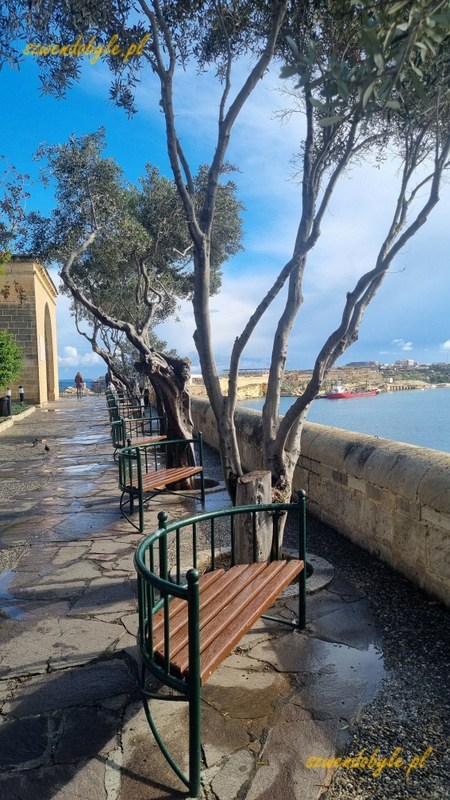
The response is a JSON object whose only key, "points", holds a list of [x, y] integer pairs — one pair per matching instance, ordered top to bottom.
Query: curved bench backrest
{"points": [[167, 563]]}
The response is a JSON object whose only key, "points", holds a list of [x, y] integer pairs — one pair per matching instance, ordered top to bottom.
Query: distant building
{"points": [[406, 362]]}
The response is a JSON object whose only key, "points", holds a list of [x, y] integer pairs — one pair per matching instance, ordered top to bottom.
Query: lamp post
{"points": [[21, 394], [8, 402]]}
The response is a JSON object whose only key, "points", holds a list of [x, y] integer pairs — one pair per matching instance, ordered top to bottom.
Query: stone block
{"points": [[357, 484], [436, 518], [438, 555]]}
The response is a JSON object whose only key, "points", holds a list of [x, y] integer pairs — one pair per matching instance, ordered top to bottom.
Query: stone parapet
{"points": [[392, 499]]}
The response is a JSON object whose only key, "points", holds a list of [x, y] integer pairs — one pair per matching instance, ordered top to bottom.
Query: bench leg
{"points": [[141, 512], [194, 743]]}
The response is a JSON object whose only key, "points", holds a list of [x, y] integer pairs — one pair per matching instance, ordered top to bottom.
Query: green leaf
{"points": [[397, 7], [442, 19], [293, 45], [379, 61], [416, 69], [288, 72], [418, 87], [367, 93], [317, 104], [393, 104], [325, 122]]}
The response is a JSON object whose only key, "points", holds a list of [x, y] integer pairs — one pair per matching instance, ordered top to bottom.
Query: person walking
{"points": [[79, 384]]}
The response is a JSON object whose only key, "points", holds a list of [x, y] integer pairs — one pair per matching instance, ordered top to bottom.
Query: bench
{"points": [[127, 410], [128, 431], [144, 470], [189, 625]]}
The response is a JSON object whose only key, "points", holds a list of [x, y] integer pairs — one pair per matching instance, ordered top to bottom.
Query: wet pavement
{"points": [[366, 679]]}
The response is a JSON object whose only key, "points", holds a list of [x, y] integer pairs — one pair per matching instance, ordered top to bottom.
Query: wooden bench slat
{"points": [[147, 440], [157, 479], [213, 597], [229, 606], [178, 609], [232, 616], [223, 644]]}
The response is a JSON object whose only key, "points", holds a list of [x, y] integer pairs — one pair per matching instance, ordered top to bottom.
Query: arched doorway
{"points": [[49, 363]]}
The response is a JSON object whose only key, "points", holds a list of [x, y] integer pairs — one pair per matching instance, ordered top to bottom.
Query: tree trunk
{"points": [[169, 376], [254, 488]]}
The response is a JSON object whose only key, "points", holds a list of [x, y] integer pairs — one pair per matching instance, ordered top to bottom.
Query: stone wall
{"points": [[392, 499]]}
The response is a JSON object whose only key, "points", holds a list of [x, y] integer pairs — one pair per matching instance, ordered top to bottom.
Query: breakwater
{"points": [[392, 499]]}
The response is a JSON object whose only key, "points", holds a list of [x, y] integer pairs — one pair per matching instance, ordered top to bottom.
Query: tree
{"points": [[370, 75], [13, 197], [126, 256], [10, 359]]}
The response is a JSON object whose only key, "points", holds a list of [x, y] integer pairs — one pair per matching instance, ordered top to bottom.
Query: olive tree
{"points": [[367, 75], [126, 258]]}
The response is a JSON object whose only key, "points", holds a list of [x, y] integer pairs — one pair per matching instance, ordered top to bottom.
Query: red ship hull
{"points": [[349, 395]]}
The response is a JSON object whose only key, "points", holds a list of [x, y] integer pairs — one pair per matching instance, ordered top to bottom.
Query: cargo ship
{"points": [[339, 393]]}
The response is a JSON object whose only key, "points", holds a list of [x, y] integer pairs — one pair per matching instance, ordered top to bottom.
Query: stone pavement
{"points": [[72, 725]]}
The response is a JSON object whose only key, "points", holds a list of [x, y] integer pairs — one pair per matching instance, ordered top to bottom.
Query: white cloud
{"points": [[402, 344], [445, 345], [72, 358]]}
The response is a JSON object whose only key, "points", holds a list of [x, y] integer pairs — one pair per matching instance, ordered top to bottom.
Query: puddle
{"points": [[84, 440], [82, 469], [74, 491], [5, 579], [6, 597]]}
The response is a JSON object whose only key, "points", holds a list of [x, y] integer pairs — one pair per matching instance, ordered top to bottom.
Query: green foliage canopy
{"points": [[140, 261], [11, 359]]}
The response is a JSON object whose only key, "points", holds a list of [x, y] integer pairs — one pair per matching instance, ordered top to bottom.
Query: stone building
{"points": [[28, 311]]}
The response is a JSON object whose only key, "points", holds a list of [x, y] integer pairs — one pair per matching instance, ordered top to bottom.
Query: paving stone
{"points": [[83, 525], [111, 546], [68, 554], [81, 570], [106, 596], [131, 622], [57, 643], [80, 686], [244, 694], [86, 733], [221, 735], [23, 742], [237, 771], [282, 773], [146, 774], [59, 782]]}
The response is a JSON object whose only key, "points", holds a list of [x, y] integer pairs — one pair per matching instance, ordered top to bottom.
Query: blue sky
{"points": [[409, 317]]}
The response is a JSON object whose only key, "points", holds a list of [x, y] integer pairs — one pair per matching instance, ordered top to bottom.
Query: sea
{"points": [[65, 384], [420, 417]]}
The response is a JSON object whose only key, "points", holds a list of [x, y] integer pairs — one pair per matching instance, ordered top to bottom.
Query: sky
{"points": [[408, 318]]}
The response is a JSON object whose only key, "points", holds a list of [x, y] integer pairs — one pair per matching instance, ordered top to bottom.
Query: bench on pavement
{"points": [[132, 431], [147, 469], [188, 624]]}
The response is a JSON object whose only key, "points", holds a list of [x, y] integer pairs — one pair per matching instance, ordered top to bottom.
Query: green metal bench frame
{"points": [[125, 429], [138, 462], [155, 594]]}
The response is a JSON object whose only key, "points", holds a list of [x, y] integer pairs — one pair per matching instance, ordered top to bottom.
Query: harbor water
{"points": [[420, 417]]}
